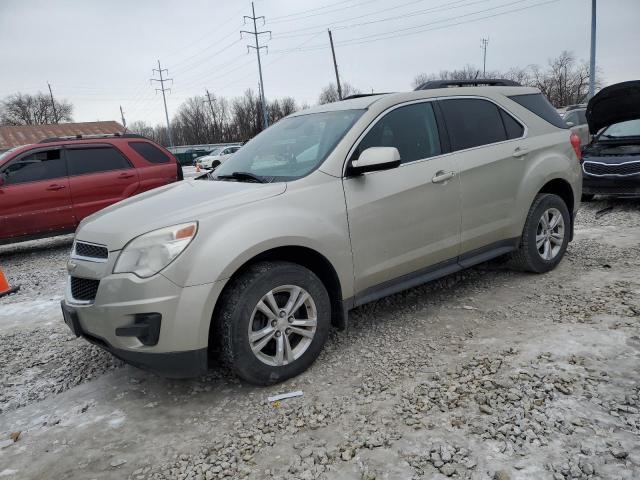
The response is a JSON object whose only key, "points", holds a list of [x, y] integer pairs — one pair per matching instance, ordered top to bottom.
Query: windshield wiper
{"points": [[239, 176]]}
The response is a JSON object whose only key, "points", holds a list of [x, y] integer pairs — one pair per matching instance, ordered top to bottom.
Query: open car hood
{"points": [[613, 104]]}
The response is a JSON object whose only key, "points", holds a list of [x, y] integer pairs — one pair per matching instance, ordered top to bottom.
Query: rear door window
{"points": [[538, 104], [472, 122], [412, 129], [150, 152], [94, 160], [35, 167]]}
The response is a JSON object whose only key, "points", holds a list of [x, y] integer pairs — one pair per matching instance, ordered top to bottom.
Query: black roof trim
{"points": [[477, 82], [360, 95], [91, 137]]}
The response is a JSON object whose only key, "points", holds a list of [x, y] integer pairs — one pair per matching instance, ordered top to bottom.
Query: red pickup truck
{"points": [[47, 188]]}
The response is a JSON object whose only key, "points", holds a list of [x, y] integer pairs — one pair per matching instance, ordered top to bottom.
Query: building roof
{"points": [[12, 136]]}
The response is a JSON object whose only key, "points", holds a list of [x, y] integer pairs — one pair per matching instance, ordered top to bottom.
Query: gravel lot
{"points": [[488, 374]]}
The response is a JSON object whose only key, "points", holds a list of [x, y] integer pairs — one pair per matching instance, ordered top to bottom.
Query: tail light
{"points": [[575, 143]]}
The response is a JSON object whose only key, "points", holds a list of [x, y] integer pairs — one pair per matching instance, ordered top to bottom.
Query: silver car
{"points": [[576, 120], [328, 209]]}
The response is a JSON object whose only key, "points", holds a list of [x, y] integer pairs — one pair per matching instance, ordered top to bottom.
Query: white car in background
{"points": [[217, 156]]}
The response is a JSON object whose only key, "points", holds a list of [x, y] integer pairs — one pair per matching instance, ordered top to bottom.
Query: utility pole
{"points": [[485, 42], [257, 47], [592, 62], [335, 65], [164, 98], [53, 104], [213, 115], [124, 122]]}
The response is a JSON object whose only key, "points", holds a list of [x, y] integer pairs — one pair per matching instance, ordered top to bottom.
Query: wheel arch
{"points": [[563, 189], [304, 256]]}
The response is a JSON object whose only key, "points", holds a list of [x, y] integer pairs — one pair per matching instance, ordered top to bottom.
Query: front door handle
{"points": [[520, 152], [125, 175], [443, 176], [55, 186]]}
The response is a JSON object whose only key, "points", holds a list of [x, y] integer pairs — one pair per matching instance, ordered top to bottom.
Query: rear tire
{"points": [[587, 197], [545, 235], [264, 338]]}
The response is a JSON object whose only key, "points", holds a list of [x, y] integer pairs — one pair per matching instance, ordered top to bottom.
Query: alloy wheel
{"points": [[550, 234], [282, 325]]}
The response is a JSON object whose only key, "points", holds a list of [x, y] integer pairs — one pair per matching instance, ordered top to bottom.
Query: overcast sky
{"points": [[99, 54]]}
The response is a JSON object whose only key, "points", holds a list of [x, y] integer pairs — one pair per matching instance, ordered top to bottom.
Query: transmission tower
{"points": [[256, 34], [162, 89]]}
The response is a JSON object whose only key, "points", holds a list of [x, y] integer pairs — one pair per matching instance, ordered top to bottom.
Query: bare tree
{"points": [[468, 72], [564, 81], [329, 93], [25, 109], [141, 128]]}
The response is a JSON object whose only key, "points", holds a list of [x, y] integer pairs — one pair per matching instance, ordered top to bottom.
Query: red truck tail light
{"points": [[575, 143]]}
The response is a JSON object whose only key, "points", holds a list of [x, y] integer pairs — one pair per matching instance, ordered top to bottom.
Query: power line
{"points": [[435, 9], [329, 11], [278, 17], [420, 28], [256, 34], [206, 35], [164, 98]]}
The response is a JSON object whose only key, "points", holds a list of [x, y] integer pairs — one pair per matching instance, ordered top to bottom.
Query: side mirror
{"points": [[570, 124], [375, 158]]}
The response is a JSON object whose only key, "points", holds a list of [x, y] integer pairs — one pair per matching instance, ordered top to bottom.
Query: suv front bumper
{"points": [[150, 323]]}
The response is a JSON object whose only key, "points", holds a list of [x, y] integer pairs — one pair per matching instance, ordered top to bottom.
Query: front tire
{"points": [[545, 235], [274, 321]]}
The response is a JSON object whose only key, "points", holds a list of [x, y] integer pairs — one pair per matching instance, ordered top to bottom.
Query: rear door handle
{"points": [[520, 152], [125, 175], [443, 176], [55, 186]]}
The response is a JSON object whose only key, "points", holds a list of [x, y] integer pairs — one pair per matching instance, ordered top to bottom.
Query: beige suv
{"points": [[330, 208]]}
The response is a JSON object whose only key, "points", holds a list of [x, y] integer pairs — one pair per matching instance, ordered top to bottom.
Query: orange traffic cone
{"points": [[5, 289]]}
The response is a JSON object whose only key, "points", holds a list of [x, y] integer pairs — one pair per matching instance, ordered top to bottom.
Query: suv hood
{"points": [[613, 104], [172, 204]]}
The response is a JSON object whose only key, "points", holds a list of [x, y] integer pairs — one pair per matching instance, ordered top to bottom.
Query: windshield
{"points": [[630, 128], [293, 147], [215, 151], [5, 154]]}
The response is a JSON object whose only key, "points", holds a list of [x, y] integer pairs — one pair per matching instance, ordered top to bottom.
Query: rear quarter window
{"points": [[538, 104], [150, 152]]}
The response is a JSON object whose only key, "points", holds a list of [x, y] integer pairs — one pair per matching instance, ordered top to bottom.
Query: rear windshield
{"points": [[538, 104]]}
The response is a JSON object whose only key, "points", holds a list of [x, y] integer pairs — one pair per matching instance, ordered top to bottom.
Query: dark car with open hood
{"points": [[611, 161]]}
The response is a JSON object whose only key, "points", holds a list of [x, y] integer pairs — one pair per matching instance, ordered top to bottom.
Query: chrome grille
{"points": [[618, 169], [90, 250], [84, 289]]}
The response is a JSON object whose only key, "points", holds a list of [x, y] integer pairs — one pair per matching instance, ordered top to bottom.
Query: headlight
{"points": [[147, 254]]}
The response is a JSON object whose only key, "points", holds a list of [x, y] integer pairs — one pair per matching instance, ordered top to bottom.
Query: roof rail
{"points": [[477, 82], [360, 95], [91, 137]]}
